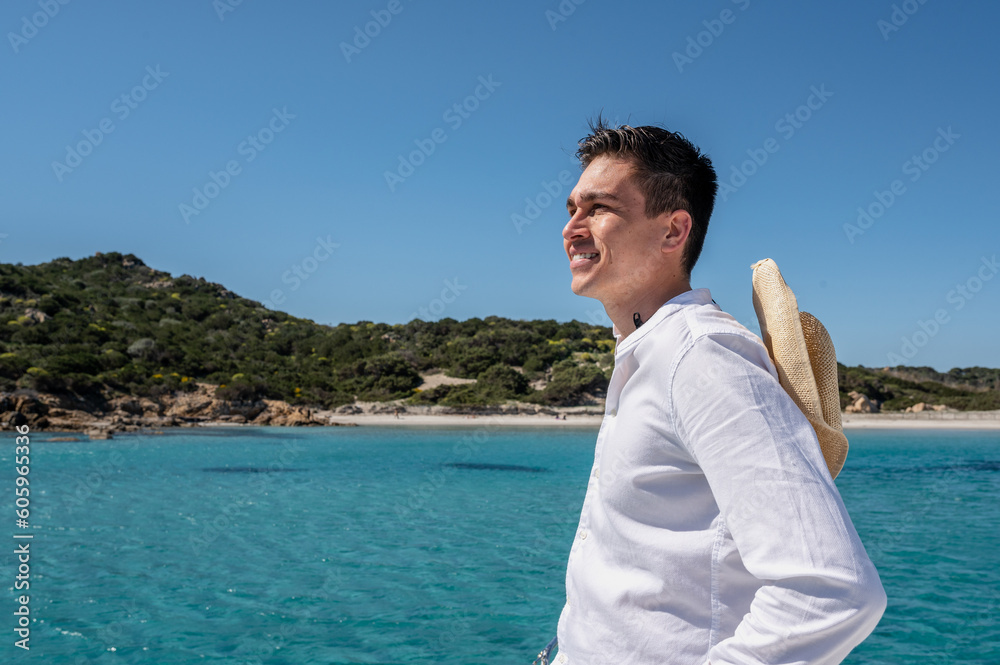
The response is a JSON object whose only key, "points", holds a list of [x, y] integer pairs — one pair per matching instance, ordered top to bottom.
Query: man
{"points": [[711, 530]]}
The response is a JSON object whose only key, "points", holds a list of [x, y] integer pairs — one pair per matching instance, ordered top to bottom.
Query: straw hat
{"points": [[803, 353]]}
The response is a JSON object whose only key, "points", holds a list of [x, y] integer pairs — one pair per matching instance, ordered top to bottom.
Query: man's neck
{"points": [[623, 314]]}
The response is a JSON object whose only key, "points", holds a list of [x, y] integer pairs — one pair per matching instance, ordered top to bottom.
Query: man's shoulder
{"points": [[710, 319], [695, 320], [698, 326]]}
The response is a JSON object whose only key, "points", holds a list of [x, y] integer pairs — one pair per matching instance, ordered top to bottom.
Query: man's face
{"points": [[613, 247]]}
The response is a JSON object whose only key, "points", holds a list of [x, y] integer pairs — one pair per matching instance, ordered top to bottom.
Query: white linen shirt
{"points": [[711, 530]]}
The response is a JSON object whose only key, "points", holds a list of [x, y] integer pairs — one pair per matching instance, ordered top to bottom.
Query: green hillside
{"points": [[108, 325], [970, 389]]}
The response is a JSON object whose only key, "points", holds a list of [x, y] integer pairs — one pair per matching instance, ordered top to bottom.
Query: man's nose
{"points": [[576, 227]]}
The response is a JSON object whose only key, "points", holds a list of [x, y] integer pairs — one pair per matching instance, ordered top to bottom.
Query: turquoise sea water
{"points": [[382, 545]]}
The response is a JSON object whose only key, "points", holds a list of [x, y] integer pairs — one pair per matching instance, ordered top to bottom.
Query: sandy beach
{"points": [[511, 416], [445, 420], [926, 420], [934, 420]]}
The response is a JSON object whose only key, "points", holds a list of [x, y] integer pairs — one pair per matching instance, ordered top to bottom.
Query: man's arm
{"points": [[822, 595]]}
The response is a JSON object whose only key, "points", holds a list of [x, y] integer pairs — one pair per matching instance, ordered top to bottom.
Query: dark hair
{"points": [[670, 172]]}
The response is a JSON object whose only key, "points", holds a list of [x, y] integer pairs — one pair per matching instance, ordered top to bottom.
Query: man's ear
{"points": [[676, 229]]}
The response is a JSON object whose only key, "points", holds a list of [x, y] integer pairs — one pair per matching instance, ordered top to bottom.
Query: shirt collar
{"points": [[692, 297]]}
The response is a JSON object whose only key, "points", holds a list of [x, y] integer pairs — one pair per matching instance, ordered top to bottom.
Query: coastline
{"points": [[200, 406], [508, 416], [590, 418], [479, 420], [984, 420], [987, 420]]}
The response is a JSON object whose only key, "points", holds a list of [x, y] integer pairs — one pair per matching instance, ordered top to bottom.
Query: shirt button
{"points": [[613, 412], [597, 472], [583, 535]]}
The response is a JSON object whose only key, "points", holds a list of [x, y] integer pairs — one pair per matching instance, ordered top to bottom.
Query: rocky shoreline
{"points": [[200, 408], [100, 419]]}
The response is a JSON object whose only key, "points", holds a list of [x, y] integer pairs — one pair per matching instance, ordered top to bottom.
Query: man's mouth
{"points": [[583, 259]]}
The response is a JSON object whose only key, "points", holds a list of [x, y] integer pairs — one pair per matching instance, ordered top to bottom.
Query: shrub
{"points": [[142, 348], [12, 366], [383, 377], [499, 383], [570, 383], [242, 391]]}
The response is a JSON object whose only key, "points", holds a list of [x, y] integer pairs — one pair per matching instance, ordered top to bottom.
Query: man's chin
{"points": [[582, 288]]}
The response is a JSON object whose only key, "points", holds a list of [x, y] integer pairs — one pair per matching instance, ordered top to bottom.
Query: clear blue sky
{"points": [[205, 88]]}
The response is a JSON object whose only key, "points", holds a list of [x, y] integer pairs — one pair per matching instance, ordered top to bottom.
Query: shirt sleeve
{"points": [[821, 595]]}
